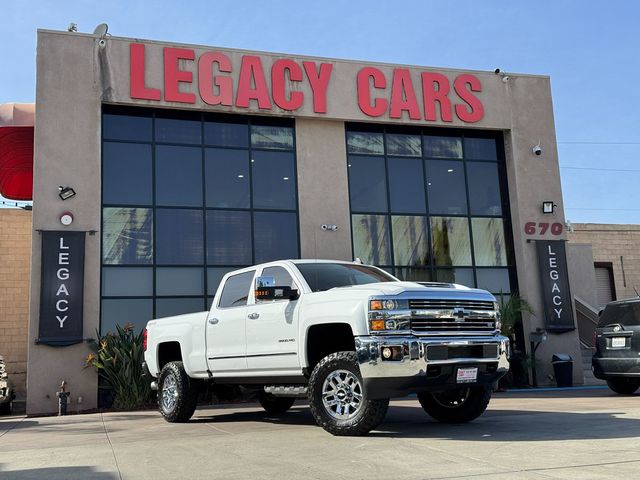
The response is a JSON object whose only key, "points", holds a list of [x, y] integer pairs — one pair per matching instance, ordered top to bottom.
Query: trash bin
{"points": [[563, 369]]}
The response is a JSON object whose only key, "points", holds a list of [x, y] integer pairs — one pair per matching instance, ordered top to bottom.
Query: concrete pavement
{"points": [[575, 434]]}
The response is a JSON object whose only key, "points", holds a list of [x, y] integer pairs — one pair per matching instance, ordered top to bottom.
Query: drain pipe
{"points": [[63, 397]]}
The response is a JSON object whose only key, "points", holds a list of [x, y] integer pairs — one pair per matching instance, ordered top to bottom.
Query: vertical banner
{"points": [[554, 277], [62, 288]]}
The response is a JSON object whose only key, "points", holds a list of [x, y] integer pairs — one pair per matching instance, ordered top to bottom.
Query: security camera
{"points": [[102, 43], [496, 71], [537, 150], [324, 226], [331, 227]]}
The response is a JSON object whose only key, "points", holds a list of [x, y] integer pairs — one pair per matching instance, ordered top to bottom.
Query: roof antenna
{"points": [[637, 294]]}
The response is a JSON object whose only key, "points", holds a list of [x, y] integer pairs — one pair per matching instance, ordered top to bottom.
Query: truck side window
{"points": [[281, 276], [236, 290]]}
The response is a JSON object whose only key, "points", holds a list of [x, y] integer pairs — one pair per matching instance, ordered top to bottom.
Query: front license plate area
{"points": [[618, 342], [467, 375]]}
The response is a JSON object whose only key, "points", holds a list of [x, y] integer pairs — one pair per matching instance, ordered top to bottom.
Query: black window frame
{"points": [[203, 117]]}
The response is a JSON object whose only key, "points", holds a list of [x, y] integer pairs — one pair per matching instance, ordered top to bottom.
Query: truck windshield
{"points": [[324, 276]]}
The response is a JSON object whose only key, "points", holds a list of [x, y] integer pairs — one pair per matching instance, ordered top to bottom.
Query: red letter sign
{"points": [[251, 73], [173, 76], [206, 79], [319, 83], [278, 84], [460, 86], [137, 88], [364, 94], [432, 95], [403, 97]]}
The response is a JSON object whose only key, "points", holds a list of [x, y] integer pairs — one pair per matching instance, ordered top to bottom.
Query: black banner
{"points": [[554, 277], [61, 290]]}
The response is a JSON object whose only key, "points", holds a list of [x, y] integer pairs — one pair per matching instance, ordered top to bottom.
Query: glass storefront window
{"points": [[366, 143], [404, 145], [442, 147], [480, 149], [127, 174], [178, 176], [367, 184], [406, 185], [446, 187], [484, 189], [169, 235], [127, 236], [410, 240], [450, 240], [371, 242], [489, 245], [410, 274], [461, 276], [496, 280], [120, 311]]}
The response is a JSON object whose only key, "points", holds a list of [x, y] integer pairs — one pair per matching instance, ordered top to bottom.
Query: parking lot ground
{"points": [[571, 434]]}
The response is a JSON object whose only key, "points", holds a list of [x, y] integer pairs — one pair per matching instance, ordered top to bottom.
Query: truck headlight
{"points": [[388, 315]]}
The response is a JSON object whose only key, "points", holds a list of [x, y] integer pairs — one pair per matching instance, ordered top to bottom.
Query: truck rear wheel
{"points": [[624, 386], [177, 393], [337, 398], [275, 405], [459, 405]]}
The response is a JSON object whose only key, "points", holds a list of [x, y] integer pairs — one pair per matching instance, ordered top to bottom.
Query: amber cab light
{"points": [[376, 305], [377, 325]]}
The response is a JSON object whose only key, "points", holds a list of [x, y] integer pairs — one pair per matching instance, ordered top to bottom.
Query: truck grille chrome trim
{"points": [[442, 304], [430, 315]]}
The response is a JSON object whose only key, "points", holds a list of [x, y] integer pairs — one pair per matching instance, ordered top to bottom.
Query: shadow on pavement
{"points": [[494, 425], [57, 473]]}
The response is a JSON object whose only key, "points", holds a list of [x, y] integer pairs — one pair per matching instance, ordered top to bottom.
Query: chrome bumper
{"points": [[414, 359]]}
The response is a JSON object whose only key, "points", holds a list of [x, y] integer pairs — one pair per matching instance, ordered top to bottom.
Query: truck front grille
{"points": [[434, 316]]}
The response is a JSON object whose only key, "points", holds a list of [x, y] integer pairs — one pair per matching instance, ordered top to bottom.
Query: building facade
{"points": [[189, 161]]}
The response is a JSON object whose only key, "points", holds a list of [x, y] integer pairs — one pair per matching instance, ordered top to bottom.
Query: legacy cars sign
{"points": [[378, 95], [61, 294], [558, 310]]}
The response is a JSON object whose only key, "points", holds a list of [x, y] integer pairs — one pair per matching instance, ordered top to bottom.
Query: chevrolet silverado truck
{"points": [[346, 336]]}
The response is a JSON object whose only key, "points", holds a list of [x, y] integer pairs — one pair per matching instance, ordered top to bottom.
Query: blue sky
{"points": [[589, 48]]}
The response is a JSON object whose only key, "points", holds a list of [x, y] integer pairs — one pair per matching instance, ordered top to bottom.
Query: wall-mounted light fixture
{"points": [[66, 193], [548, 207]]}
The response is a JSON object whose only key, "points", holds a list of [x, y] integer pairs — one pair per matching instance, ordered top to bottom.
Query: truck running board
{"points": [[299, 391]]}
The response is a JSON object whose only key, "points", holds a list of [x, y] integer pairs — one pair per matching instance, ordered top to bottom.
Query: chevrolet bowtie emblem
{"points": [[459, 314]]}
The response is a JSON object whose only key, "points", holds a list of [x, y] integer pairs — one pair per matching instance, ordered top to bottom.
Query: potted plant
{"points": [[511, 308]]}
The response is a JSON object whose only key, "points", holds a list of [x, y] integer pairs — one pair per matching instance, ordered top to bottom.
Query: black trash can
{"points": [[563, 369]]}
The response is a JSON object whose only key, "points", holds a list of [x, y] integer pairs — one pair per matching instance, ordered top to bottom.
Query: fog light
{"points": [[391, 325], [386, 352]]}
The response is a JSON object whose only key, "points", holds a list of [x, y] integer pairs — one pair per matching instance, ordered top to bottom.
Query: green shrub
{"points": [[118, 357]]}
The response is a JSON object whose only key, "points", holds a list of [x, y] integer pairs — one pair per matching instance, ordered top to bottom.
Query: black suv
{"points": [[617, 357]]}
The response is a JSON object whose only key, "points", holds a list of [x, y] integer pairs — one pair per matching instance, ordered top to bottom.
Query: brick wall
{"points": [[615, 244], [15, 262]]}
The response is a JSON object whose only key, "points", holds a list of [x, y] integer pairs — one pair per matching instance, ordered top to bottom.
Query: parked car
{"points": [[345, 336], [617, 357], [6, 390]]}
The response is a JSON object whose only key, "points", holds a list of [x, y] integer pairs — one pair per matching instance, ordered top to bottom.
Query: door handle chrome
{"points": [[253, 316], [213, 321]]}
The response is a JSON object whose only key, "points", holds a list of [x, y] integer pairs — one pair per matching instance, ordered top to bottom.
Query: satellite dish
{"points": [[101, 30]]}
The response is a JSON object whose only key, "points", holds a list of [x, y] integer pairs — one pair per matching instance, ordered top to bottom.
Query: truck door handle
{"points": [[253, 316], [213, 321]]}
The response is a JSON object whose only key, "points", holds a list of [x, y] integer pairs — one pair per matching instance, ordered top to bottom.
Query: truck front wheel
{"points": [[177, 393], [337, 398], [459, 405]]}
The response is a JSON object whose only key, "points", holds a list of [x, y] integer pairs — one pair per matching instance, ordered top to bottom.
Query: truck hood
{"points": [[422, 291]]}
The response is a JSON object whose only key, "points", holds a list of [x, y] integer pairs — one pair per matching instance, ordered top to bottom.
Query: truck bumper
{"points": [[419, 364]]}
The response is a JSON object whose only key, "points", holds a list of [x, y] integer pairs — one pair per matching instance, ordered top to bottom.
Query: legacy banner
{"points": [[61, 291], [558, 310]]}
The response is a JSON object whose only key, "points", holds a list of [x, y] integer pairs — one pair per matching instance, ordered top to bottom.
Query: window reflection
{"points": [[223, 134], [271, 137], [367, 143], [404, 145], [442, 147], [446, 187], [127, 236], [410, 240], [450, 240], [371, 241], [488, 242], [410, 274], [461, 276]]}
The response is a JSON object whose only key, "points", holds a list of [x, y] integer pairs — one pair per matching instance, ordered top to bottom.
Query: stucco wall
{"points": [[75, 75], [615, 244], [15, 260]]}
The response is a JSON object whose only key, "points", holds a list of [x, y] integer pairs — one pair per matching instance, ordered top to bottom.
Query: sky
{"points": [[591, 50]]}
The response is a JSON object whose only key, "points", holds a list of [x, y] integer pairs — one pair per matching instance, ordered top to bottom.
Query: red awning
{"points": [[16, 150], [16, 163]]}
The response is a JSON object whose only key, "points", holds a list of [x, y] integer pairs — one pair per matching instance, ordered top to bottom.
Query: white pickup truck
{"points": [[346, 336]]}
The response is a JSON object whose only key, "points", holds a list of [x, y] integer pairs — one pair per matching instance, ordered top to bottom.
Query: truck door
{"points": [[272, 328], [226, 339]]}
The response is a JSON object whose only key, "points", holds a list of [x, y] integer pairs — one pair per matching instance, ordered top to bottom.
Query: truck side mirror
{"points": [[267, 290]]}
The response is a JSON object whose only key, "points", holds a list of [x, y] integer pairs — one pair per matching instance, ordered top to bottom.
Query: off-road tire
{"points": [[624, 386], [187, 390], [275, 405], [438, 407], [5, 408], [369, 414]]}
